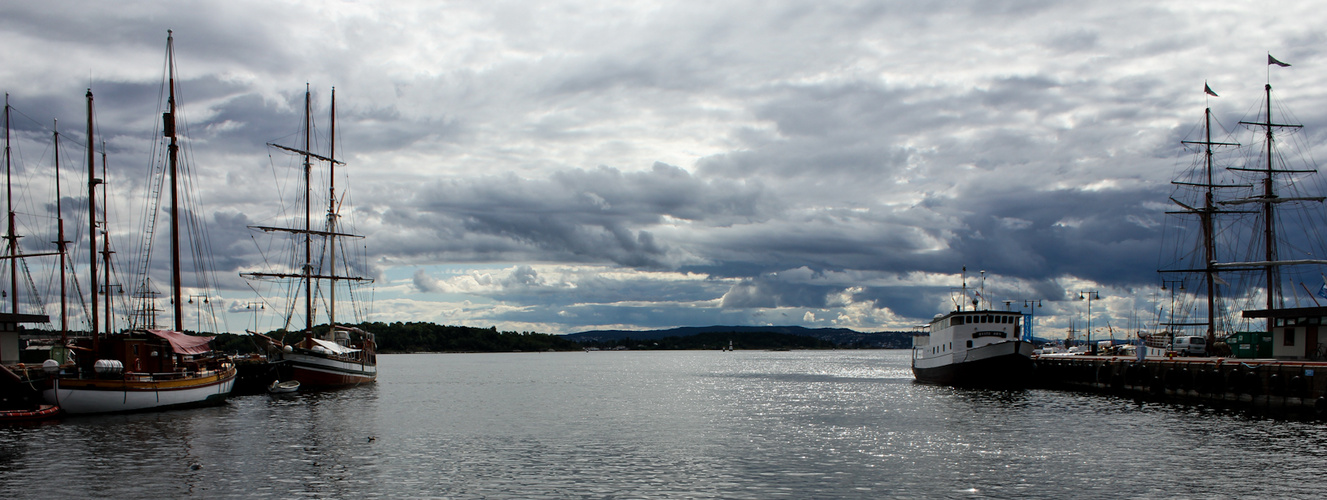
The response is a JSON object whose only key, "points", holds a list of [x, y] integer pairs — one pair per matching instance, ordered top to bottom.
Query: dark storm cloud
{"points": [[684, 164], [599, 215], [641, 317]]}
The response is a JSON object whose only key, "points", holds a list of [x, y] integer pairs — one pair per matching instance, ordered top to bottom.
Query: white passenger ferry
{"points": [[973, 348]]}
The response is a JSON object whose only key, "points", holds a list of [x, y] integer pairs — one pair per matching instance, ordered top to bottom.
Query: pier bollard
{"points": [[1117, 375], [1215, 382], [1253, 384], [1296, 387]]}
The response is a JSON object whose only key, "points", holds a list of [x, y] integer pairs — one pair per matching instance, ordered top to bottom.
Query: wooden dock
{"points": [[1298, 387]]}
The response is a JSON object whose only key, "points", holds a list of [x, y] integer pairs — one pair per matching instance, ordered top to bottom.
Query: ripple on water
{"points": [[746, 424]]}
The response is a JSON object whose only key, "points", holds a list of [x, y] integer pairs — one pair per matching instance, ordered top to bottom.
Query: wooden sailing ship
{"points": [[1246, 206], [330, 355], [143, 368], [20, 385]]}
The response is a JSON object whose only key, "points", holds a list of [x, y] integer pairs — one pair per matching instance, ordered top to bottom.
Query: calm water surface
{"points": [[691, 424]]}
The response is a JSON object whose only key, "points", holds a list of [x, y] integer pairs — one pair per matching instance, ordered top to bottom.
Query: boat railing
{"points": [[132, 376], [166, 376]]}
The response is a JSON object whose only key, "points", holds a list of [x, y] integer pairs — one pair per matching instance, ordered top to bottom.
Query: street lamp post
{"points": [[1089, 295], [1032, 306], [199, 309], [255, 313]]}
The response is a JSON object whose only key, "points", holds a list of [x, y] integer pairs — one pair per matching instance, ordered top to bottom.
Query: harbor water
{"points": [[684, 424]]}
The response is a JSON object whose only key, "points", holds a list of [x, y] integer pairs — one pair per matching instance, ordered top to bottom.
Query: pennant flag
{"points": [[1272, 60], [1209, 90]]}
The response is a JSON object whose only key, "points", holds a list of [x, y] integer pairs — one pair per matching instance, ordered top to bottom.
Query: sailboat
{"points": [[1246, 206], [333, 355], [145, 368], [19, 384]]}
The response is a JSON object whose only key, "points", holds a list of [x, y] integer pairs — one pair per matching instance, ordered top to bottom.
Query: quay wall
{"points": [[1262, 384]]}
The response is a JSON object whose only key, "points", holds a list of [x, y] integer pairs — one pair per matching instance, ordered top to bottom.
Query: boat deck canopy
{"points": [[184, 344]]}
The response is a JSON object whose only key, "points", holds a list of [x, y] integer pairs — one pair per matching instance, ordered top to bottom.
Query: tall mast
{"points": [[174, 153], [1268, 200], [1206, 214], [92, 216], [331, 218], [9, 234], [60, 241], [308, 241], [106, 245], [1209, 245], [306, 275], [1273, 277]]}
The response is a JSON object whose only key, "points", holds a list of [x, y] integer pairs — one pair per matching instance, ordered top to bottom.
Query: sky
{"points": [[568, 166]]}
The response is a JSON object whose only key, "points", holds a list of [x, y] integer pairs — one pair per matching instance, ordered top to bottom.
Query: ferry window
{"points": [[958, 320], [1289, 337], [969, 344]]}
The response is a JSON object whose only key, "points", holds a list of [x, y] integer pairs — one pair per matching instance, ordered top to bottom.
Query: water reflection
{"points": [[840, 424]]}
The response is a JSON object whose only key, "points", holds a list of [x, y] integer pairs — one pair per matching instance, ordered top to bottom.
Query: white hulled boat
{"points": [[973, 348], [143, 369]]}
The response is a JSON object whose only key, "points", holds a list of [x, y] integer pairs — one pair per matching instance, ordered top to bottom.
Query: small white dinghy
{"points": [[279, 387]]}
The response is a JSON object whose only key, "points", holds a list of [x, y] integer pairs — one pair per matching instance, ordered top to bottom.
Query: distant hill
{"points": [[840, 337]]}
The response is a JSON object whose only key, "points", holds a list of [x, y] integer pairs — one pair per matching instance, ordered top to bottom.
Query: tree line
{"points": [[399, 337], [402, 337]]}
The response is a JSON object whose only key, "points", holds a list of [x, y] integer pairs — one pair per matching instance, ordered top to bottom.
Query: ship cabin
{"points": [[963, 330], [1297, 333], [9, 334]]}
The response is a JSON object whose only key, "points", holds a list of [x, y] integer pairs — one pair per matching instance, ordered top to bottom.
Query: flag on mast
{"points": [[1272, 60], [1209, 91]]}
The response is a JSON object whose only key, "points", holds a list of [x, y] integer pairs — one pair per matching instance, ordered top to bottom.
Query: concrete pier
{"points": [[1298, 387]]}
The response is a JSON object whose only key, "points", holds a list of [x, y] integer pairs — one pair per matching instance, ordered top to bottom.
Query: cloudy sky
{"points": [[567, 166]]}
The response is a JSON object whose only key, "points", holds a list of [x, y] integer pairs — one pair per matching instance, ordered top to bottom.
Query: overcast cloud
{"points": [[567, 166]]}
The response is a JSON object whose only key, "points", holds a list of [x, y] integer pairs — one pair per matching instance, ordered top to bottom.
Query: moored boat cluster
{"points": [[150, 368]]}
